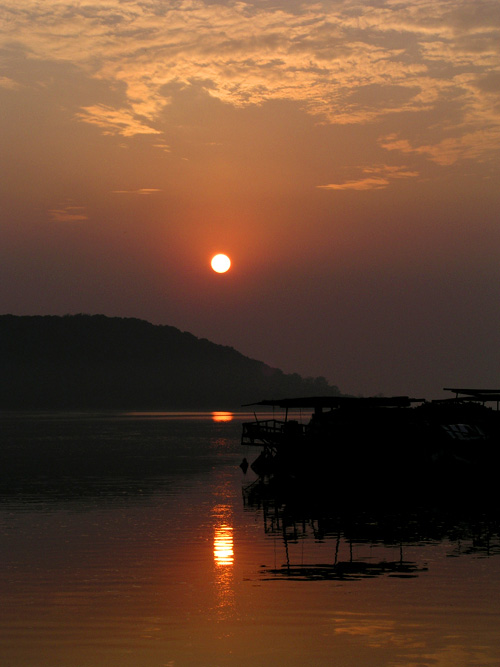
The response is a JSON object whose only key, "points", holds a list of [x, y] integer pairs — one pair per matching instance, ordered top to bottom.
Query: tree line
{"points": [[99, 362]]}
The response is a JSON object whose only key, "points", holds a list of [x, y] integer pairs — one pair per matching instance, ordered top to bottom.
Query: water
{"points": [[125, 539]]}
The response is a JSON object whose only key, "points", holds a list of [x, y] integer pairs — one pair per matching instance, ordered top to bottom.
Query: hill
{"points": [[98, 362]]}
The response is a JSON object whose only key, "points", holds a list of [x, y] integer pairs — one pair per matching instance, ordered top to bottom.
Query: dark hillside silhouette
{"points": [[84, 361]]}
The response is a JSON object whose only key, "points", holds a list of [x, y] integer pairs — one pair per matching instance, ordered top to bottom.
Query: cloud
{"points": [[346, 62], [10, 84], [115, 121], [475, 145], [162, 146], [376, 177], [360, 184], [141, 191], [68, 212]]}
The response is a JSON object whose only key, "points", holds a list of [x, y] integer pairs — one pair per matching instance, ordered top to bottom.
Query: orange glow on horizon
{"points": [[222, 416]]}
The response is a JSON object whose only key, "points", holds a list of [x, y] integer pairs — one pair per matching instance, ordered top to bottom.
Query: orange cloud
{"points": [[348, 63], [6, 82], [115, 121], [445, 152], [378, 177], [361, 184], [141, 191], [68, 212]]}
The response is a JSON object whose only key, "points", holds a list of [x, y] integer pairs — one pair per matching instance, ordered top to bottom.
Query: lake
{"points": [[135, 539]]}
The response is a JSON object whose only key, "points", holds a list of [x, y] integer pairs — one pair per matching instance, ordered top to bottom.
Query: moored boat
{"points": [[397, 438]]}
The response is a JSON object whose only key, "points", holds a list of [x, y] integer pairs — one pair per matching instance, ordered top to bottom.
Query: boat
{"points": [[377, 438]]}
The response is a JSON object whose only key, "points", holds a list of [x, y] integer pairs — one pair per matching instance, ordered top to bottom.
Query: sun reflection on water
{"points": [[223, 545], [223, 550]]}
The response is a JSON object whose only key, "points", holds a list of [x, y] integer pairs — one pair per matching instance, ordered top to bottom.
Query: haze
{"points": [[345, 155]]}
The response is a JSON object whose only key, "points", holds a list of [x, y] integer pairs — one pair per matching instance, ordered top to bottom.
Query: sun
{"points": [[220, 263]]}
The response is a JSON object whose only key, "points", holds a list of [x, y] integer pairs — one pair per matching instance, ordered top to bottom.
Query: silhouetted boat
{"points": [[384, 439]]}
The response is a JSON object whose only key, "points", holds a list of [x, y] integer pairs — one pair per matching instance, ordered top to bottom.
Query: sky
{"points": [[344, 154]]}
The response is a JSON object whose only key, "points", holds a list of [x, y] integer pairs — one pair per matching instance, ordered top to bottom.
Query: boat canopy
{"points": [[482, 395], [320, 402], [317, 403]]}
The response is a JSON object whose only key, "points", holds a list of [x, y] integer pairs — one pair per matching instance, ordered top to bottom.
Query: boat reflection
{"points": [[324, 539]]}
